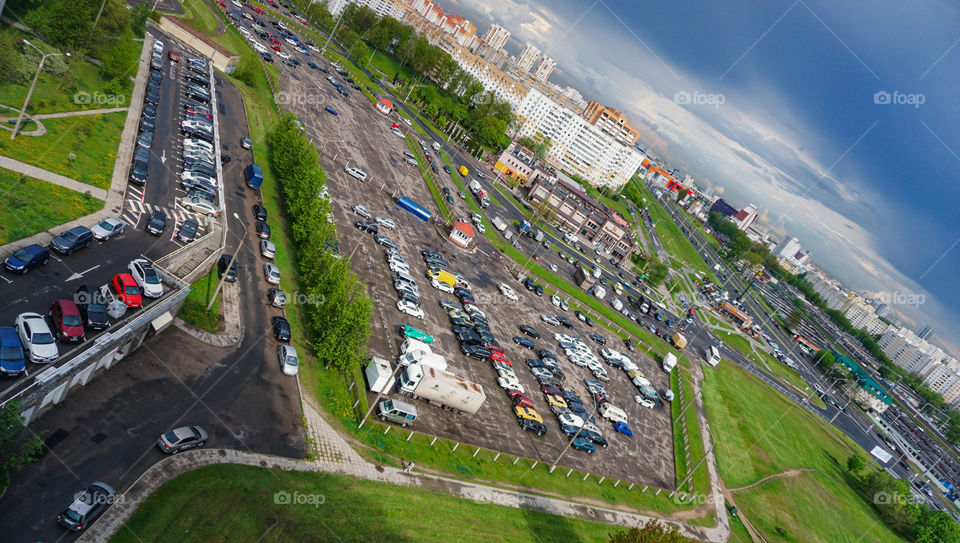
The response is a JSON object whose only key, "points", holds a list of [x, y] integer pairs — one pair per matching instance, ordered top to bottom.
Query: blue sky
{"points": [[871, 189]]}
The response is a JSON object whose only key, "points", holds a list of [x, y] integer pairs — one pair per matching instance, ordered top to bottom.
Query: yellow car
{"points": [[556, 401], [528, 413]]}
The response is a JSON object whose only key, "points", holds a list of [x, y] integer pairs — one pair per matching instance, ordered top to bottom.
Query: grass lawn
{"points": [[82, 148], [438, 197], [31, 205], [673, 240], [194, 310], [734, 340], [758, 433], [237, 503]]}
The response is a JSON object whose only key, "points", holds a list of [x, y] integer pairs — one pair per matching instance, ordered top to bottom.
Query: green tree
{"points": [[119, 60], [657, 273], [794, 319], [825, 358], [18, 444], [856, 463], [934, 526]]}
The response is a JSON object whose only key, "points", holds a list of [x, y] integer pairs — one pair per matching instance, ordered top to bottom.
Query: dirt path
{"points": [[781, 475]]}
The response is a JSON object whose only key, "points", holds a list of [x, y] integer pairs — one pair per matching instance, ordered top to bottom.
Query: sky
{"points": [[837, 119]]}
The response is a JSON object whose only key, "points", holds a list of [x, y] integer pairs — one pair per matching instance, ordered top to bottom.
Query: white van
{"points": [[356, 172], [612, 413]]}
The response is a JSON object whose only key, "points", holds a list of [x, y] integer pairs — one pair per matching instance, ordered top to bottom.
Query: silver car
{"points": [[107, 228], [267, 248], [271, 273], [183, 438]]}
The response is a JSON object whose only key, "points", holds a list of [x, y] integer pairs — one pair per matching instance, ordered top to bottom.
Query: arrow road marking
{"points": [[163, 156], [81, 274]]}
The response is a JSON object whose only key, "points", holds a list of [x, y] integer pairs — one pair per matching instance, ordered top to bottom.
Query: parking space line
{"points": [[5, 279]]}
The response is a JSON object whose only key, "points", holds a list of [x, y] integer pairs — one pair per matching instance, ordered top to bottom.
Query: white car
{"points": [[291, 41], [259, 47], [313, 48], [283, 55], [397, 133], [194, 143], [355, 172], [189, 175], [199, 205], [362, 211], [477, 219], [386, 222], [107, 228], [481, 228], [553, 267], [271, 273], [146, 277], [442, 287], [508, 292], [555, 300], [410, 308], [550, 319], [37, 338], [289, 362], [510, 383], [643, 401], [569, 419]]}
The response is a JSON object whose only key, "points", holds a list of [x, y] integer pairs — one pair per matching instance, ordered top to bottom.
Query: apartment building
{"points": [[527, 57], [544, 68], [611, 121]]}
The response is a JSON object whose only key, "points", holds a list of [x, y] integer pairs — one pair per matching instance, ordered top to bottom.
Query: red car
{"points": [[272, 3], [224, 4], [258, 10], [274, 40], [276, 47], [174, 55], [535, 257], [127, 290], [67, 321], [520, 400]]}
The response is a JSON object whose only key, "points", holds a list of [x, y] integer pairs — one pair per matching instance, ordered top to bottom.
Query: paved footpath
{"points": [[78, 113]]}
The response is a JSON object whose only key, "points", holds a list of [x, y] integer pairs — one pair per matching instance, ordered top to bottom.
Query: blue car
{"points": [[330, 110], [28, 257], [12, 360], [623, 428], [584, 444]]}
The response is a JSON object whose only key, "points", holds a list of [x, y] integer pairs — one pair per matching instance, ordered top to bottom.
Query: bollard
{"points": [[349, 388], [356, 403], [387, 430], [409, 436], [434, 440], [455, 446], [475, 452], [495, 457], [515, 460], [534, 464], [569, 472], [585, 475], [601, 479], [615, 485], [630, 487], [645, 488], [658, 492]]}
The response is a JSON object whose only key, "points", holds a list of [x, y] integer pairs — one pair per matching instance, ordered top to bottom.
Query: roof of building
{"points": [[199, 35], [386, 102], [464, 227], [865, 381]]}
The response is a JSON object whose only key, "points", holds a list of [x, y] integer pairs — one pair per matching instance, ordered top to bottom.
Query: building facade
{"points": [[496, 37], [527, 57], [544, 68], [610, 121], [745, 218]]}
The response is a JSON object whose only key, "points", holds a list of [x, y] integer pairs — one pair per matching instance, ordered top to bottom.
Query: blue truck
{"points": [[253, 176]]}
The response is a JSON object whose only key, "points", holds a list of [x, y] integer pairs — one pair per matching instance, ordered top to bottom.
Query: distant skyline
{"points": [[791, 108]]}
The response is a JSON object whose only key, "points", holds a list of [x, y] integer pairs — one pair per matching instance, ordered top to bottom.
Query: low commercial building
{"points": [[222, 59], [384, 105], [584, 215], [462, 233], [739, 317], [862, 388]]}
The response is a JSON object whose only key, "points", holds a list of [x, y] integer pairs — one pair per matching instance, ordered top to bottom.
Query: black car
{"points": [[267, 57], [197, 78], [197, 95], [149, 111], [147, 124], [141, 154], [200, 167], [138, 174], [260, 212], [157, 223], [367, 226], [188, 230], [76, 238], [223, 264], [529, 284], [539, 290], [448, 305], [92, 306], [563, 320], [281, 329], [530, 331], [599, 339], [524, 342], [629, 344], [477, 352], [533, 426], [594, 437], [87, 506]]}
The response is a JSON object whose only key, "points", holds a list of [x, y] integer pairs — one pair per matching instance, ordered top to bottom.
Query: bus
{"points": [[713, 356]]}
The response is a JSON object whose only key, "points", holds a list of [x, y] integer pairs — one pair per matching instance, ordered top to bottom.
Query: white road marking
{"points": [[81, 274]]}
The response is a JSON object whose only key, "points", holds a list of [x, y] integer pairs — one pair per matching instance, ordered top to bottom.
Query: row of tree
{"points": [[104, 29], [452, 95], [338, 317]]}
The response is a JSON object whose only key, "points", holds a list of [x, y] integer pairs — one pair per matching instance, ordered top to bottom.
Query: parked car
{"points": [[157, 222], [188, 230], [263, 230], [72, 240], [267, 249], [27, 258], [227, 270], [271, 273], [146, 277], [127, 290], [276, 297], [92, 306], [66, 319], [281, 329], [37, 338], [287, 355], [13, 361], [181, 439], [87, 506]]}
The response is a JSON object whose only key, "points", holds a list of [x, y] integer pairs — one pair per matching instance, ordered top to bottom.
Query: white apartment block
{"points": [[383, 8], [496, 37], [527, 57], [544, 68], [490, 77], [578, 147], [787, 248], [829, 291], [858, 311], [908, 351], [943, 380]]}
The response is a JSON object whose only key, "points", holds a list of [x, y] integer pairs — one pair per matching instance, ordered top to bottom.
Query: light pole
{"points": [[323, 51], [16, 127], [230, 265]]}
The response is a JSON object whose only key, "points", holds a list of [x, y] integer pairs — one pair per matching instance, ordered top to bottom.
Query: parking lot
{"points": [[360, 136]]}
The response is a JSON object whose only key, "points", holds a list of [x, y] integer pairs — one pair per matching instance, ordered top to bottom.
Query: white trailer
{"points": [[378, 374], [441, 388]]}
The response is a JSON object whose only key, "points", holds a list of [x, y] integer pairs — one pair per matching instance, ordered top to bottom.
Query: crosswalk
{"points": [[135, 210]]}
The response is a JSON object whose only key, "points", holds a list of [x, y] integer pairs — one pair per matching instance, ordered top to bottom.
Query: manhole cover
{"points": [[55, 438], [98, 438]]}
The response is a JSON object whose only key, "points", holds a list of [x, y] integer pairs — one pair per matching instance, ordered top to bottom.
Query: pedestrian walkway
{"points": [[77, 113], [50, 177], [232, 327]]}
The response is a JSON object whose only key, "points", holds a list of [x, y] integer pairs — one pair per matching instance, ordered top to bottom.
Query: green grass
{"points": [[200, 15], [82, 148], [438, 197], [29, 206], [673, 240], [194, 310], [735, 340], [778, 369], [758, 433], [700, 482], [237, 503]]}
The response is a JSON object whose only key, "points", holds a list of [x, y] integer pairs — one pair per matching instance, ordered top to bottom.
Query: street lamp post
{"points": [[16, 127], [230, 265]]}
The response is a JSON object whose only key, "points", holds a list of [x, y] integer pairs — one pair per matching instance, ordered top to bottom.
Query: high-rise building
{"points": [[383, 8], [496, 37], [527, 57], [544, 68], [611, 121], [723, 208], [745, 217], [787, 248], [925, 333]]}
